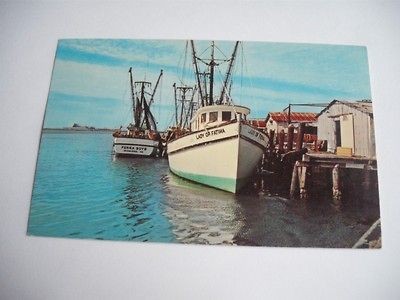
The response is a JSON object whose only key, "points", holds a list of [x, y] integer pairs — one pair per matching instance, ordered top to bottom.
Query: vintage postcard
{"points": [[208, 142]]}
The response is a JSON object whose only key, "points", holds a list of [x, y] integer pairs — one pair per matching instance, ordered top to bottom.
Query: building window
{"points": [[213, 116], [226, 116], [203, 118]]}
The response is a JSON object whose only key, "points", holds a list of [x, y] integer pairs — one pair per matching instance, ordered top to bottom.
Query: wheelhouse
{"points": [[214, 115]]}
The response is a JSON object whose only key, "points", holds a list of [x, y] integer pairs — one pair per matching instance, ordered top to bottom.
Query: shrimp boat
{"points": [[141, 139], [221, 149]]}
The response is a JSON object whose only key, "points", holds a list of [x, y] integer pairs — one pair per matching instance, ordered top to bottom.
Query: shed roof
{"points": [[364, 106], [295, 117], [257, 122]]}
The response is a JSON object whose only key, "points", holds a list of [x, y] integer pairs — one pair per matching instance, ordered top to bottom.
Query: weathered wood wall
{"points": [[364, 138]]}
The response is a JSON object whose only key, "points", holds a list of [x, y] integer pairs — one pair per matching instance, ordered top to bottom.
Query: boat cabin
{"points": [[214, 115]]}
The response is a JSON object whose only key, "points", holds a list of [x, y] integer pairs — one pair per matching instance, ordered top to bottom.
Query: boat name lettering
{"points": [[211, 132], [256, 134], [133, 148]]}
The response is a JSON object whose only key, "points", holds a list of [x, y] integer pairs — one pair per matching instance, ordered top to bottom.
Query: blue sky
{"points": [[90, 83]]}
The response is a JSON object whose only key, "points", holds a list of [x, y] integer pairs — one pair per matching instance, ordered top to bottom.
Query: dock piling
{"points": [[300, 136], [290, 138], [281, 139], [271, 140], [295, 179], [302, 182], [336, 192]]}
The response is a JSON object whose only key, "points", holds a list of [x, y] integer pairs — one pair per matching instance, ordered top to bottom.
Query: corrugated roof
{"points": [[364, 106], [295, 117], [257, 122]]}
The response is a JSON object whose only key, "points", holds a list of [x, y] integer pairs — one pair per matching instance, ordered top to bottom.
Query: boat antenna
{"points": [[212, 65], [196, 68], [228, 74]]}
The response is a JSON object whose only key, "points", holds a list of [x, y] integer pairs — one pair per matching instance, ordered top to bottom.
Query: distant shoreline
{"points": [[78, 129]]}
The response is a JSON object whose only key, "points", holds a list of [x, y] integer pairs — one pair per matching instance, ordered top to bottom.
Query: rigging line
{"points": [[204, 51], [227, 59], [184, 63], [179, 64], [241, 71], [247, 71], [226, 90], [160, 100], [124, 102]]}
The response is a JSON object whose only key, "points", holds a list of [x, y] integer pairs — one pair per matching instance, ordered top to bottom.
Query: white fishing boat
{"points": [[141, 138], [221, 149]]}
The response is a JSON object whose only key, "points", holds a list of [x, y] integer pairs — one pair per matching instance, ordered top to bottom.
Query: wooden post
{"points": [[300, 136], [290, 138], [271, 139], [281, 140], [316, 146], [294, 182], [302, 182], [262, 184], [366, 185], [336, 193]]}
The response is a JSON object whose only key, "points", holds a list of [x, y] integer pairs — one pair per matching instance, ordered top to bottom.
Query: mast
{"points": [[197, 72], [228, 74], [155, 88], [132, 93], [211, 100], [141, 104], [186, 104], [176, 105], [191, 108]]}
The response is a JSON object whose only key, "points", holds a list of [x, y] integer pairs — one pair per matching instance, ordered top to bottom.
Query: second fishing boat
{"points": [[141, 137]]}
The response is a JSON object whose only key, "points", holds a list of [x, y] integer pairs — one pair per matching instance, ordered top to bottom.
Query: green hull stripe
{"points": [[226, 184]]}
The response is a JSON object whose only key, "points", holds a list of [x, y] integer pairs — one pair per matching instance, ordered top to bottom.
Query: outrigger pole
{"points": [[197, 72], [228, 74], [155, 88]]}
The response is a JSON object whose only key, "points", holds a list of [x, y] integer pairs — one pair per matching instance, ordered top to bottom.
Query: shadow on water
{"points": [[208, 216], [273, 220]]}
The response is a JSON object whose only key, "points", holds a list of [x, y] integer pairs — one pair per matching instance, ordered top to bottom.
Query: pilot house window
{"points": [[213, 116], [226, 116], [203, 118]]}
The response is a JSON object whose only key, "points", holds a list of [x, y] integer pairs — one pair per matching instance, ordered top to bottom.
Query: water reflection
{"points": [[143, 199], [200, 214]]}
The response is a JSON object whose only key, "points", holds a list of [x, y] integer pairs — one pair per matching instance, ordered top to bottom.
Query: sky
{"points": [[90, 80]]}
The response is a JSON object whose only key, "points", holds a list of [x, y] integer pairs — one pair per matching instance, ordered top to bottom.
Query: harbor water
{"points": [[82, 191]]}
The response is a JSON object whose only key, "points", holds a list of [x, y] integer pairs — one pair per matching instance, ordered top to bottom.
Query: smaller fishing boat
{"points": [[141, 138]]}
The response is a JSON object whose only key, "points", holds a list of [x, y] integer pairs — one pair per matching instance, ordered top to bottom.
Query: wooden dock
{"points": [[347, 174]]}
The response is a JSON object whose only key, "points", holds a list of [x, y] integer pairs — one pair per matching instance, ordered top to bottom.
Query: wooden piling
{"points": [[300, 136], [281, 137], [290, 138], [271, 139], [316, 146], [294, 182], [302, 182], [336, 192]]}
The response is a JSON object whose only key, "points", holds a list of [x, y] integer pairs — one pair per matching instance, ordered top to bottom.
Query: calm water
{"points": [[82, 191]]}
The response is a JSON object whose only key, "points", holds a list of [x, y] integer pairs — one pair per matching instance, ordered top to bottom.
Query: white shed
{"points": [[349, 125]]}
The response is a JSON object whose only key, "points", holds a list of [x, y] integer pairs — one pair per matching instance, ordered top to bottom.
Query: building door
{"points": [[347, 131], [338, 134]]}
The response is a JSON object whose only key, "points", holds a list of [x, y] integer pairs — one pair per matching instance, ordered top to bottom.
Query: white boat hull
{"points": [[124, 146], [223, 157]]}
